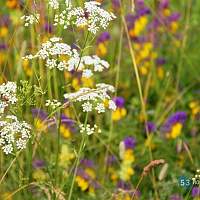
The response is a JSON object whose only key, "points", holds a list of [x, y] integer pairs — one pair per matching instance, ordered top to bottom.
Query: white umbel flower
{"points": [[54, 4], [91, 16], [31, 19], [53, 49], [7, 94], [93, 96], [87, 107], [88, 129], [13, 134]]}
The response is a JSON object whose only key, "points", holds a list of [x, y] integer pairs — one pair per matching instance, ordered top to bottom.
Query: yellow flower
{"points": [[11, 3], [166, 12], [173, 27], [3, 31], [101, 49], [2, 58], [27, 67], [160, 72], [87, 82], [76, 83], [118, 114], [39, 124], [176, 130], [65, 132], [149, 142], [65, 156], [129, 156], [90, 172], [39, 175], [82, 183]]}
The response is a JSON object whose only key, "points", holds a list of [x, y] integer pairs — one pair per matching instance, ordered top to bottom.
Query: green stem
{"points": [[78, 159]]}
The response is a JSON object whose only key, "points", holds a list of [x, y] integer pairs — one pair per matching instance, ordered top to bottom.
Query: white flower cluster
{"points": [[54, 4], [91, 15], [30, 19], [53, 49], [8, 95], [96, 98], [53, 104], [88, 129], [13, 134]]}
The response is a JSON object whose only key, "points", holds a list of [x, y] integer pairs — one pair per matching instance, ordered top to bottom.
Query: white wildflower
{"points": [[54, 4], [91, 16], [30, 19], [53, 49], [7, 94], [96, 96], [53, 104], [112, 105], [87, 107], [100, 108], [88, 129], [13, 134]]}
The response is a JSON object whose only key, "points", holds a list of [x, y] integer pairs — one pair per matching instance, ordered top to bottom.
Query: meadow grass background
{"points": [[46, 168]]}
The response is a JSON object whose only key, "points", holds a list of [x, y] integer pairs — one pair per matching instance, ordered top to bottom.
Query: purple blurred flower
{"points": [[116, 4], [164, 4], [174, 17], [4, 20], [48, 27], [105, 36], [3, 46], [160, 61], [119, 101], [38, 113], [178, 117], [151, 127], [129, 142], [111, 159], [37, 163], [87, 163], [123, 185], [195, 192], [176, 197]]}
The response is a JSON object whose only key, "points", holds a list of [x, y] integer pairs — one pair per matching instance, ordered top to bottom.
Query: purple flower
{"points": [[116, 4], [164, 4], [174, 17], [4, 20], [48, 27], [103, 37], [3, 46], [160, 61], [119, 101], [38, 113], [178, 117], [151, 127], [129, 142], [111, 159], [37, 163], [87, 163], [123, 185], [195, 192], [175, 197]]}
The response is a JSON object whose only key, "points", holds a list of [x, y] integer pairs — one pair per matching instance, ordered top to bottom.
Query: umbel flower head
{"points": [[91, 16], [53, 50], [8, 95], [93, 99], [13, 134]]}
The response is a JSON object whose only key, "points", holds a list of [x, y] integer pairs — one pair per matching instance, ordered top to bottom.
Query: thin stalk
{"points": [[143, 106], [58, 144], [78, 159]]}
